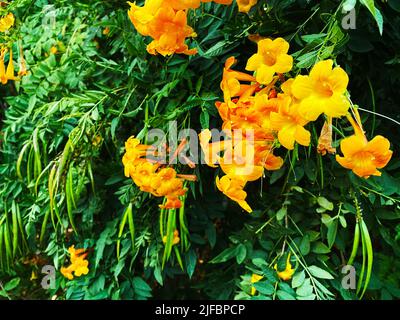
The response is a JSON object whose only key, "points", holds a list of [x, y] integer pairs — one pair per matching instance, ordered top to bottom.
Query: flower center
{"points": [[269, 58], [324, 88]]}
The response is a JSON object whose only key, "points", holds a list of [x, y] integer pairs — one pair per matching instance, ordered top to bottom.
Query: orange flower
{"points": [[227, 2], [246, 5], [166, 23], [169, 31], [270, 58], [6, 75], [230, 85], [323, 91], [134, 150], [364, 157], [238, 162], [150, 177], [233, 189], [175, 240], [79, 264]]}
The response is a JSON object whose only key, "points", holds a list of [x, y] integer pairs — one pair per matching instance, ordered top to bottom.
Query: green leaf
{"points": [[370, 4], [349, 5], [205, 119], [325, 203], [281, 213], [332, 231], [305, 245], [320, 248], [241, 253], [225, 255], [191, 260], [319, 273], [298, 279], [12, 284], [139, 284], [264, 287], [305, 289], [283, 295]]}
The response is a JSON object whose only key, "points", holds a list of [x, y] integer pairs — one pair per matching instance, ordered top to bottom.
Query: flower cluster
{"points": [[165, 21], [8, 73], [265, 110], [150, 176], [79, 264]]}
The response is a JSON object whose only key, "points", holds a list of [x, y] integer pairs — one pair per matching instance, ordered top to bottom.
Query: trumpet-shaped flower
{"points": [[246, 5], [6, 22], [166, 22], [270, 58], [6, 74], [230, 84], [323, 91], [289, 124], [364, 157], [233, 189], [175, 239], [79, 264], [288, 272], [254, 279]]}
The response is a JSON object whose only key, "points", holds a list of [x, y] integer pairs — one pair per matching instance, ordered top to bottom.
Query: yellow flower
{"points": [[246, 5], [6, 22], [166, 23], [270, 58], [6, 75], [230, 84], [322, 91], [289, 124], [364, 157], [238, 162], [233, 189], [175, 240], [79, 264], [81, 267], [67, 272], [288, 272], [33, 275], [255, 278]]}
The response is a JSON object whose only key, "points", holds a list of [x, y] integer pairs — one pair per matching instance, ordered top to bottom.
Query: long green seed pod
{"points": [[356, 243]]}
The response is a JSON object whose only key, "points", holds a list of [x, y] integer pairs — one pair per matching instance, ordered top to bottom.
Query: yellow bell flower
{"points": [[246, 5], [6, 22], [270, 58], [323, 91], [233, 189], [288, 272], [255, 278]]}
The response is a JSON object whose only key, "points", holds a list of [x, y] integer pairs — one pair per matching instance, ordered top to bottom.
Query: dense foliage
{"points": [[91, 84]]}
